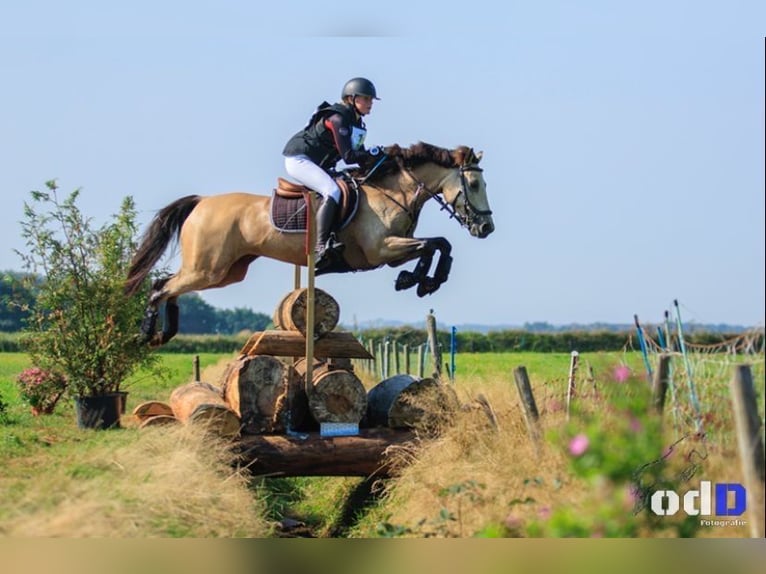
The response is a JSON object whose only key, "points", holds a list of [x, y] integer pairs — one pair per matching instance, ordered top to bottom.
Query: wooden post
{"points": [[310, 261], [433, 342], [406, 351], [386, 357], [379, 359], [421, 360], [371, 363], [196, 367], [397, 369], [660, 383], [571, 390], [531, 416], [751, 456]]}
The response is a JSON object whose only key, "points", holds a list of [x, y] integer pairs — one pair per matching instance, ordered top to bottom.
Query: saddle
{"points": [[288, 204]]}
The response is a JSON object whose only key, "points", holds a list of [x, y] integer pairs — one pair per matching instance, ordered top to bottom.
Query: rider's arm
{"points": [[342, 138]]}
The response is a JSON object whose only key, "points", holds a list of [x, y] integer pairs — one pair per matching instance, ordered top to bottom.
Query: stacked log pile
{"points": [[265, 400]]}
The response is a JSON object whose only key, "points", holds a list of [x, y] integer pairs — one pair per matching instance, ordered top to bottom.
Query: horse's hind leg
{"points": [[149, 322]]}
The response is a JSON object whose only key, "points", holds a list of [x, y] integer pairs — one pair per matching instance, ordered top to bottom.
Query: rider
{"points": [[333, 133]]}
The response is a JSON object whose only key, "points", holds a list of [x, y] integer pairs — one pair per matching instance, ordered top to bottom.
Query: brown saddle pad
{"points": [[288, 205]]}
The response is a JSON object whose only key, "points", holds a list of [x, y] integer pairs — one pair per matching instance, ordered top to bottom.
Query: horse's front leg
{"points": [[428, 285]]}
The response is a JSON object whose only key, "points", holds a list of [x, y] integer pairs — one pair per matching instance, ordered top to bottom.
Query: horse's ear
{"points": [[478, 156]]}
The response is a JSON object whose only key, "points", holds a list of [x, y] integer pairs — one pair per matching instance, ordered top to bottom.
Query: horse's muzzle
{"points": [[481, 230]]}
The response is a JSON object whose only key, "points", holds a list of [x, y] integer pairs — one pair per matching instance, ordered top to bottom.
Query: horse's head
{"points": [[465, 190]]}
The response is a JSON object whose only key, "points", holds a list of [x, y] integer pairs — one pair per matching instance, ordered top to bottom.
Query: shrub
{"points": [[41, 388]]}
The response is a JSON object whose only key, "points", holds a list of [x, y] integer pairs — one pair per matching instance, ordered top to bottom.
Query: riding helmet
{"points": [[359, 87]]}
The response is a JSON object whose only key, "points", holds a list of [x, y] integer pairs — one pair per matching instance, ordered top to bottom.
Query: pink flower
{"points": [[622, 373], [635, 424], [578, 445], [544, 512]]}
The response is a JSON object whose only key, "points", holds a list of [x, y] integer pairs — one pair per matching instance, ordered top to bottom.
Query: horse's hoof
{"points": [[405, 280], [427, 286]]}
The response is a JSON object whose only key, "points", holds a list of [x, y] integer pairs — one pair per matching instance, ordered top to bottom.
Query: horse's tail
{"points": [[165, 225]]}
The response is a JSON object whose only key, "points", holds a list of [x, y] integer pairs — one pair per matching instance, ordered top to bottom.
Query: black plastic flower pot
{"points": [[99, 412]]}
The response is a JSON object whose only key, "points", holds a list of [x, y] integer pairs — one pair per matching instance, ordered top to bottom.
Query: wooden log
{"points": [[290, 314], [292, 344], [266, 394], [334, 395], [382, 396], [406, 401], [202, 403], [151, 409], [159, 420], [371, 453]]}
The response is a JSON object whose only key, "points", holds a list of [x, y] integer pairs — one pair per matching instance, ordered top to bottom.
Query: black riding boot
{"points": [[328, 248]]}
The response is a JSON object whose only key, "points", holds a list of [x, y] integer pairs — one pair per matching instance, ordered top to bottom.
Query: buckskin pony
{"points": [[221, 235]]}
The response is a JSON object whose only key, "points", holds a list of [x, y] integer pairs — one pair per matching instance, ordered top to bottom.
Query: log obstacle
{"points": [[290, 314], [335, 394], [406, 401], [198, 402], [371, 453]]}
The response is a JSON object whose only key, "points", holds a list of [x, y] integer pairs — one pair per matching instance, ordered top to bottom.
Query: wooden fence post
{"points": [[434, 342], [406, 351], [386, 358], [379, 359], [421, 360], [196, 368], [397, 370], [660, 383], [571, 390], [531, 416], [751, 456]]}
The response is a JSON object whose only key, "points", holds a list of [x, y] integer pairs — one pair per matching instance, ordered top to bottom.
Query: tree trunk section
{"points": [[290, 314], [293, 344], [266, 393], [334, 395], [202, 403], [151, 409], [372, 453]]}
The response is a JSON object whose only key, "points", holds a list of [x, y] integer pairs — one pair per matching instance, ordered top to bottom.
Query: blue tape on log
{"points": [[338, 429]]}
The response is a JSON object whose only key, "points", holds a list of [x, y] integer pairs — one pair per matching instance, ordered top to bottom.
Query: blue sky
{"points": [[623, 142]]}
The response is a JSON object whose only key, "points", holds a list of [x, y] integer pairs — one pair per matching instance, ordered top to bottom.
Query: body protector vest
{"points": [[318, 142]]}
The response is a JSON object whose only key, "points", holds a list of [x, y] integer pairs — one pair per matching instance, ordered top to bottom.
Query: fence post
{"points": [[433, 342], [406, 351], [386, 358], [396, 358], [379, 360], [421, 360], [371, 363], [196, 368], [660, 383], [571, 391], [531, 416], [750, 445]]}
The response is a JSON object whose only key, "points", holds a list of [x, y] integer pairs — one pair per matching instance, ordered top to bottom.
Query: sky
{"points": [[623, 141]]}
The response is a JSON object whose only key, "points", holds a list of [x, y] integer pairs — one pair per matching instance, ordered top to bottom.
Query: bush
{"points": [[81, 323], [41, 389]]}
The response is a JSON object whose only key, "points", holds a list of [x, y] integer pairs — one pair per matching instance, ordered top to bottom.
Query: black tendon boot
{"points": [[328, 248]]}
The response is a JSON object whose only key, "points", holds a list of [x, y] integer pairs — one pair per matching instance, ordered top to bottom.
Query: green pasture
{"points": [[30, 447]]}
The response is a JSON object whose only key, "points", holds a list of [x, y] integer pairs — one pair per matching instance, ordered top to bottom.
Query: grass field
{"points": [[474, 479]]}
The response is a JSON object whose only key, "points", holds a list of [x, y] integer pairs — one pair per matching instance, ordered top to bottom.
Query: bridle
{"points": [[472, 212]]}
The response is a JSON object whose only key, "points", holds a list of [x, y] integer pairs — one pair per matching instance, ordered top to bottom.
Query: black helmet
{"points": [[359, 87]]}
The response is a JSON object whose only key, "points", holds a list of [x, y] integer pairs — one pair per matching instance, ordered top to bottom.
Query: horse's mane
{"points": [[420, 153]]}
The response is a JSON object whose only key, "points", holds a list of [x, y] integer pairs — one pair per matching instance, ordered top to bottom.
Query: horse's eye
{"points": [[473, 185]]}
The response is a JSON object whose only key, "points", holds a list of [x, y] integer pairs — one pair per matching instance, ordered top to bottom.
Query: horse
{"points": [[221, 235]]}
